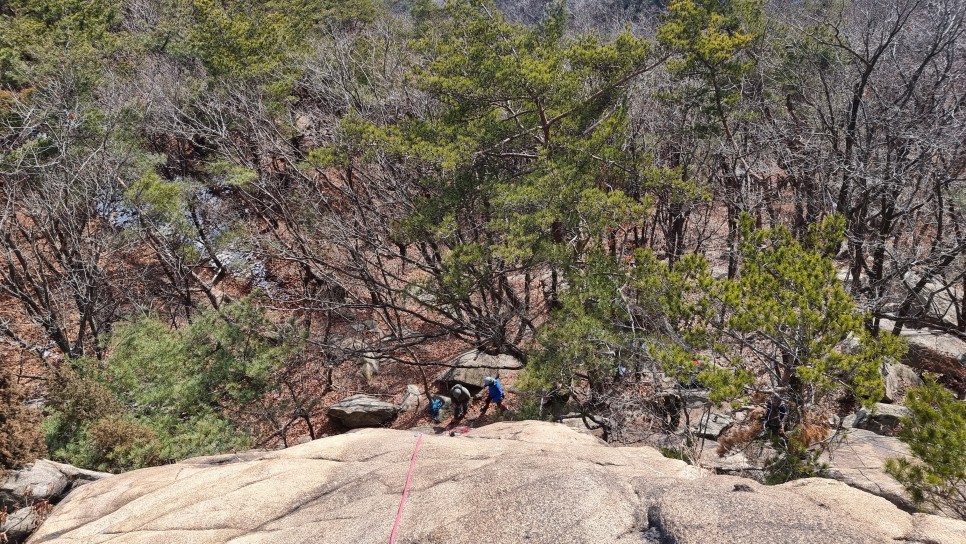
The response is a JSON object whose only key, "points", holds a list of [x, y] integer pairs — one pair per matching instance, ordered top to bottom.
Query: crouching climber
{"points": [[494, 394], [461, 400]]}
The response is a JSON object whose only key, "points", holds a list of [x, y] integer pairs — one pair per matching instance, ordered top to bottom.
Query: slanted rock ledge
{"points": [[527, 482]]}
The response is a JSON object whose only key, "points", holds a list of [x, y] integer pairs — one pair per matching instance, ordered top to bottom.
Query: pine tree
{"points": [[936, 435]]}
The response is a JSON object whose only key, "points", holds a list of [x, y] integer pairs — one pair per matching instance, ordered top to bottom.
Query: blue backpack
{"points": [[435, 406]]}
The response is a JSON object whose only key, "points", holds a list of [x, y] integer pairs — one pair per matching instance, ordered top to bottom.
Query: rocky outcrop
{"points": [[938, 353], [471, 367], [898, 379], [410, 398], [363, 411], [882, 419], [710, 425], [859, 462], [43, 480], [517, 482], [26, 495]]}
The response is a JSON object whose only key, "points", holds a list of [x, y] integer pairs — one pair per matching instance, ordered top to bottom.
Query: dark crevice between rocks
{"points": [[656, 533]]}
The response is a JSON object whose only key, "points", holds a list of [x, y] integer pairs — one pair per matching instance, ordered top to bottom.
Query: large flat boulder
{"points": [[471, 367], [363, 411], [710, 424], [531, 482], [731, 509]]}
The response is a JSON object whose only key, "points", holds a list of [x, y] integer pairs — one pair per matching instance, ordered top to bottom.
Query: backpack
{"points": [[460, 394], [435, 406]]}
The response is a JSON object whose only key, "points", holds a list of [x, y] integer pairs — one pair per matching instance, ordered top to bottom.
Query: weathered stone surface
{"points": [[935, 352], [472, 366], [898, 378], [410, 398], [363, 411], [882, 419], [711, 424], [225, 459], [859, 460], [41, 480], [534, 481], [25, 494], [858, 506], [738, 510], [870, 511], [20, 524], [938, 530]]}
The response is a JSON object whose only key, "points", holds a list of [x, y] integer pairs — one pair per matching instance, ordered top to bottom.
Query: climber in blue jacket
{"points": [[494, 394]]}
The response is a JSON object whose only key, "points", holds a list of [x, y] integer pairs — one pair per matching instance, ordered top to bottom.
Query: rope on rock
{"points": [[402, 501]]}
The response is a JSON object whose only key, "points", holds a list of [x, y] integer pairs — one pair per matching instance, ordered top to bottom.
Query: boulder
{"points": [[935, 352], [363, 354], [368, 366], [471, 367], [898, 378], [410, 398], [363, 411], [883, 419], [711, 424], [735, 464], [78, 476], [43, 480], [539, 482], [31, 490], [21, 523]]}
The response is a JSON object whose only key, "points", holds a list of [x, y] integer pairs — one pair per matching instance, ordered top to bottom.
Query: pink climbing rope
{"points": [[402, 502]]}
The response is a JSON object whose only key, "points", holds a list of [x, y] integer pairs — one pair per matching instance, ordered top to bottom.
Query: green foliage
{"points": [[39, 36], [708, 36], [248, 38], [261, 39], [708, 40], [521, 160], [158, 199], [788, 311], [785, 326], [166, 394], [530, 410], [936, 435], [21, 441], [793, 460]]}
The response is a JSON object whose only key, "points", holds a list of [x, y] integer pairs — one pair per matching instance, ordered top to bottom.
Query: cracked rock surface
{"points": [[528, 482]]}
